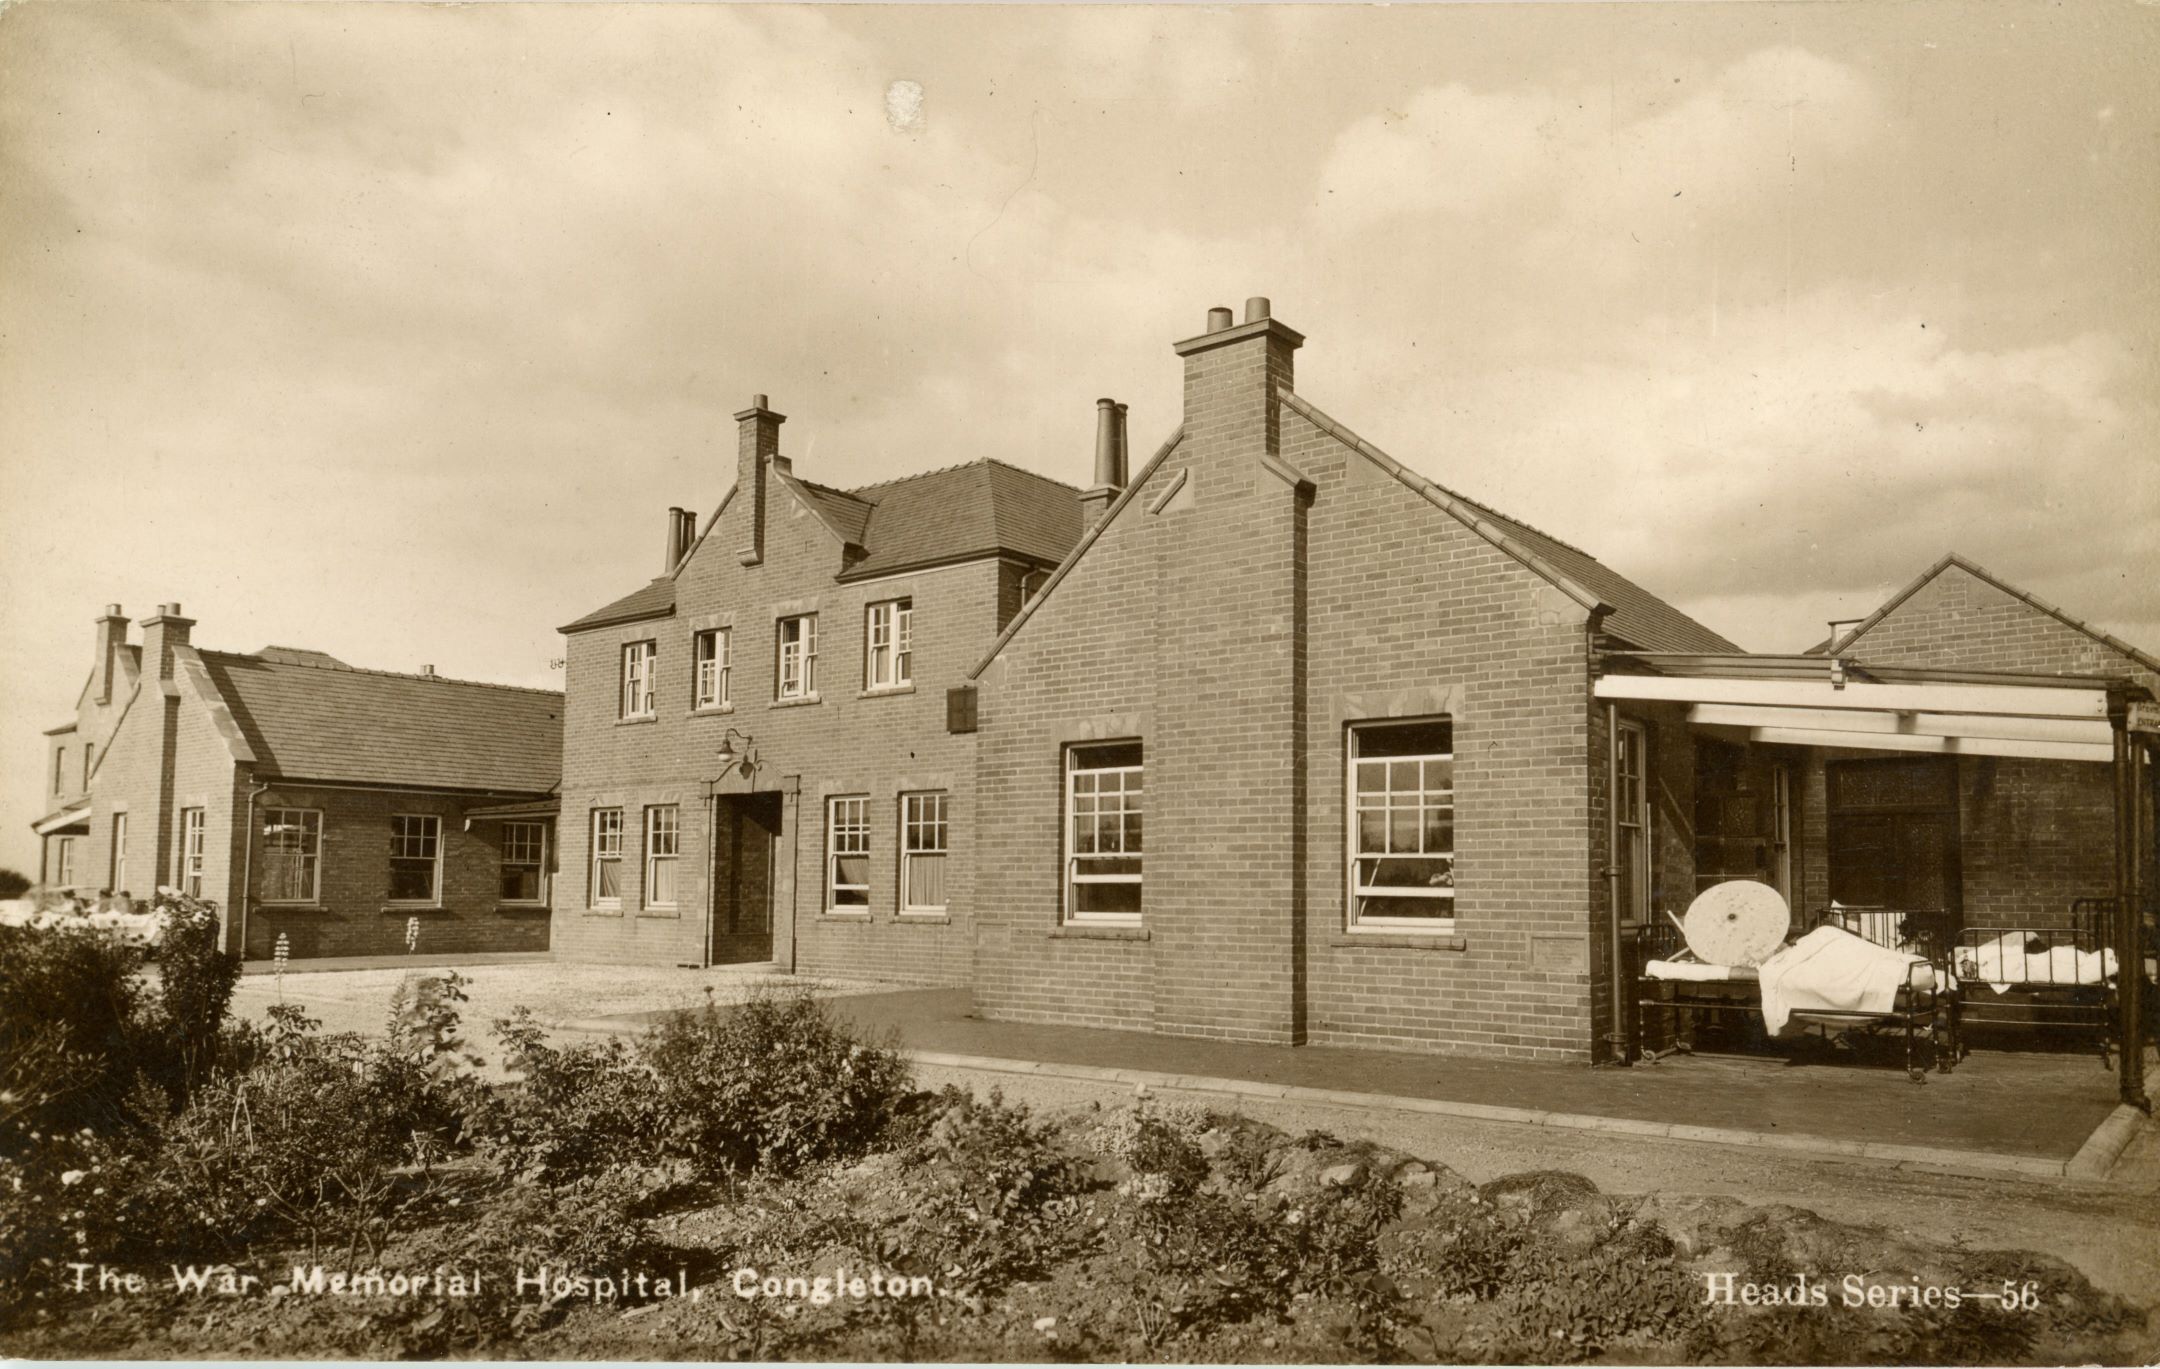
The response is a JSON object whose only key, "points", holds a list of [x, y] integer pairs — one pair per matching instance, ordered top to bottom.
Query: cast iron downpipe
{"points": [[247, 868]]}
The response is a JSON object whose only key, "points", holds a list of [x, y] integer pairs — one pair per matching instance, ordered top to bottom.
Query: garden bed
{"points": [[759, 1183]]}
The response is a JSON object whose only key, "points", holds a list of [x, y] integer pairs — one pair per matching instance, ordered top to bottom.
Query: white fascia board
{"points": [[2016, 701], [2080, 730], [1940, 746]]}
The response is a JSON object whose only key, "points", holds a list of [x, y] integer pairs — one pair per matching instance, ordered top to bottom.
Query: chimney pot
{"points": [[1256, 309], [1219, 318], [759, 402], [1107, 475], [674, 554], [113, 611], [428, 670]]}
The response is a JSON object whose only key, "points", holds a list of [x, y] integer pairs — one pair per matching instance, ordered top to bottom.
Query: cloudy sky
{"points": [[391, 330]]}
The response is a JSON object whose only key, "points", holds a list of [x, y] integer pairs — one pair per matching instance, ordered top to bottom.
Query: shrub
{"points": [[195, 982], [69, 1002], [774, 1083], [572, 1111], [292, 1144], [1165, 1160], [992, 1195], [588, 1226], [1223, 1254]]}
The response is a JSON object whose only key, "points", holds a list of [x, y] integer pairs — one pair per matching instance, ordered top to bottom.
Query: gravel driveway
{"points": [[558, 993]]}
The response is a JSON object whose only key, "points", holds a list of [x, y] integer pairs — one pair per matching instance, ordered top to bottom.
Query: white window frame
{"points": [[888, 645], [709, 652], [638, 662], [795, 662], [89, 757], [59, 769], [1088, 801], [1355, 805], [309, 822], [925, 830], [411, 832], [847, 833], [192, 840], [513, 841], [607, 844], [663, 851], [119, 852], [64, 862]]}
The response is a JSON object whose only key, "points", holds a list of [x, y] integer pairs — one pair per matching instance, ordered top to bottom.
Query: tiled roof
{"points": [[963, 511], [953, 514], [847, 515], [656, 600], [1638, 616], [298, 655], [336, 723]]}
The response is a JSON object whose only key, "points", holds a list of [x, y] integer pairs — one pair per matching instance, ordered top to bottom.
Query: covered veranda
{"points": [[1806, 708]]}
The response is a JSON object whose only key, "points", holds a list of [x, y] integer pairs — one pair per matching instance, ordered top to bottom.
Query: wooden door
{"points": [[1894, 834]]}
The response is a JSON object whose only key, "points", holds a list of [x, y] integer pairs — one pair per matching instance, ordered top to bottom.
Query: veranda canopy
{"points": [[1838, 701]]}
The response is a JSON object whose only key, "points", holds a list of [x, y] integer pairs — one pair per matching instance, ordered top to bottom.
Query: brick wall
{"points": [[1239, 632], [850, 742], [131, 779], [2034, 834], [353, 914]]}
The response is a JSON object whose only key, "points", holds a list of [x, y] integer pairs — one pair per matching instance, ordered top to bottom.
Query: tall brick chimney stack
{"points": [[1235, 374], [757, 442], [1110, 472], [162, 631], [112, 633]]}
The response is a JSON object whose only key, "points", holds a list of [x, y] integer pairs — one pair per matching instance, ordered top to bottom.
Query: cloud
{"points": [[1600, 152], [1826, 449]]}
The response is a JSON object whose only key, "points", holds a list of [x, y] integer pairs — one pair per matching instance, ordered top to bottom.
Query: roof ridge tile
{"points": [[369, 670]]}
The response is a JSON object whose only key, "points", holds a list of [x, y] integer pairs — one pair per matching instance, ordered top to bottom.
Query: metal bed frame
{"points": [[2081, 1006], [1922, 1010]]}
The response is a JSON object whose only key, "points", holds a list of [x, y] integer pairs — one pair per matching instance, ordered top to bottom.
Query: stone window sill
{"points": [[887, 692], [802, 702], [711, 711], [640, 720], [264, 906], [523, 908], [393, 909], [603, 912], [672, 914], [927, 917], [844, 919], [1080, 931], [1400, 941]]}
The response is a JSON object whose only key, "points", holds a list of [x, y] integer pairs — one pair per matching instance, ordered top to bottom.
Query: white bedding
{"points": [[2006, 962], [1831, 970], [1696, 972]]}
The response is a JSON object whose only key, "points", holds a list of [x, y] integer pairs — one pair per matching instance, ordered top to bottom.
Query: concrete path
{"points": [[2019, 1114]]}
